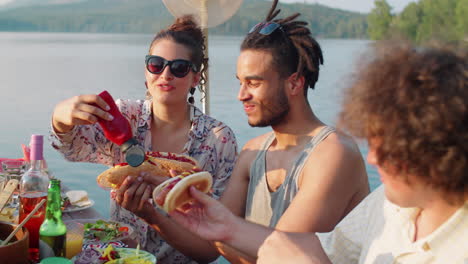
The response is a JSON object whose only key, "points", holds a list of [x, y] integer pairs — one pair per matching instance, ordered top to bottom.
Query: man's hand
{"points": [[206, 217], [299, 248]]}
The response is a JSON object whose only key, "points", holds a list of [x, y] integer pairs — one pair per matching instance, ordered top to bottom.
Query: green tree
{"points": [[461, 18], [379, 20], [409, 20], [438, 20]]}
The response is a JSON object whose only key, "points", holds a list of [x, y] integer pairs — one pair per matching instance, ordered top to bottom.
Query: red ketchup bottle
{"points": [[119, 131]]}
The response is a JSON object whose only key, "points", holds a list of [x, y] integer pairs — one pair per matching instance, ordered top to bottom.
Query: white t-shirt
{"points": [[379, 232]]}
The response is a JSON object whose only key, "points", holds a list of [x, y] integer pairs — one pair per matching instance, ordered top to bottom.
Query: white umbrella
{"points": [[208, 13]]}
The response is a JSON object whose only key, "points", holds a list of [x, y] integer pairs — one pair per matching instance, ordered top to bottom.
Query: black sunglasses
{"points": [[266, 28], [179, 68]]}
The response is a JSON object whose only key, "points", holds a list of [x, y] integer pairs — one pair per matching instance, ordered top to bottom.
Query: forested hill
{"points": [[149, 16]]}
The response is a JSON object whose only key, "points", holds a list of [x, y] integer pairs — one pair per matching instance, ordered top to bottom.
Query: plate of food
{"points": [[76, 200], [99, 231], [102, 231], [111, 255]]}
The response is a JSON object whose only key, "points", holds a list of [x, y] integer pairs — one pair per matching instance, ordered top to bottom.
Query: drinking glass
{"points": [[14, 169], [74, 238]]}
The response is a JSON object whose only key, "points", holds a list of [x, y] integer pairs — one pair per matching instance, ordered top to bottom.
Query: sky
{"points": [[2, 2], [363, 6]]}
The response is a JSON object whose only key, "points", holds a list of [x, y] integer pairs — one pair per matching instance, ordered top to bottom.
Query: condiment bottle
{"points": [[119, 131], [33, 189], [52, 234]]}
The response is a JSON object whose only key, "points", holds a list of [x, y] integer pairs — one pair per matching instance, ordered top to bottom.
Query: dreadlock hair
{"points": [[185, 31], [292, 47]]}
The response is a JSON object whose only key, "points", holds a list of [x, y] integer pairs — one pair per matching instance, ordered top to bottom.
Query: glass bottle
{"points": [[33, 189], [52, 234]]}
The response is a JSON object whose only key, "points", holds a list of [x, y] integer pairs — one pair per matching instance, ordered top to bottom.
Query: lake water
{"points": [[37, 70]]}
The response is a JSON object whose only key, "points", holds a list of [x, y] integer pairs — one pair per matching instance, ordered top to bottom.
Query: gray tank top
{"points": [[265, 207]]}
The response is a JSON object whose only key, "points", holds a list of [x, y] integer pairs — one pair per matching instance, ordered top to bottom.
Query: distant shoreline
{"points": [[137, 33]]}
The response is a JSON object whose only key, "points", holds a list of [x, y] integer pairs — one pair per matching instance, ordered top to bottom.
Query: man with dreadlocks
{"points": [[304, 176]]}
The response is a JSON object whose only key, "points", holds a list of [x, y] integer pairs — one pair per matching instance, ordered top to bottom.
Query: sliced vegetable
{"points": [[104, 231]]}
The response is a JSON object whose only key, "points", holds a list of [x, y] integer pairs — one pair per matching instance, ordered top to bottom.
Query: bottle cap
{"points": [[37, 139], [36, 144], [134, 154], [54, 182]]}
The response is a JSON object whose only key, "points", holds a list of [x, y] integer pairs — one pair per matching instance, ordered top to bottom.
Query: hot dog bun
{"points": [[156, 163], [180, 194]]}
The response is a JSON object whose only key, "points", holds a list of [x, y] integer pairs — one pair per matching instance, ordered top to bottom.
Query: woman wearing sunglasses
{"points": [[166, 121]]}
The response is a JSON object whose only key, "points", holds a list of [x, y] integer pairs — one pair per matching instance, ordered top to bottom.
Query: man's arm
{"points": [[333, 182], [235, 197], [298, 248]]}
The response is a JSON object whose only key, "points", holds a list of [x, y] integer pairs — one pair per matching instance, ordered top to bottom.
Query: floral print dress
{"points": [[210, 141]]}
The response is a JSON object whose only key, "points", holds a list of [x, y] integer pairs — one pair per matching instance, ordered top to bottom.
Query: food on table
{"points": [[157, 163], [174, 192], [78, 198], [73, 200], [8, 214], [104, 231], [111, 255], [133, 256]]}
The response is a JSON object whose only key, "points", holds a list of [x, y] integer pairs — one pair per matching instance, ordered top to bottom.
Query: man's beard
{"points": [[273, 111]]}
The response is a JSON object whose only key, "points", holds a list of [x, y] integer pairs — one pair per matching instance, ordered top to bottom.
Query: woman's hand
{"points": [[79, 110], [134, 195], [206, 217]]}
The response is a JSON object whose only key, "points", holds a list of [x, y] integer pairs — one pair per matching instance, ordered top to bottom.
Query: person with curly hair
{"points": [[411, 105], [166, 121]]}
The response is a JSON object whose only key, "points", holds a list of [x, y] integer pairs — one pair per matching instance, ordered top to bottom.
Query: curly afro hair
{"points": [[414, 102]]}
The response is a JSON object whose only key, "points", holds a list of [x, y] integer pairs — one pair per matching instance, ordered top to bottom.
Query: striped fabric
{"points": [[379, 232]]}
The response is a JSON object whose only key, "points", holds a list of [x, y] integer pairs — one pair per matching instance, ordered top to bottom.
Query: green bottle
{"points": [[52, 234]]}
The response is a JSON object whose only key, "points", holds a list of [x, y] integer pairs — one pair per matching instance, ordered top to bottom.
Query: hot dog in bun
{"points": [[157, 163], [174, 192]]}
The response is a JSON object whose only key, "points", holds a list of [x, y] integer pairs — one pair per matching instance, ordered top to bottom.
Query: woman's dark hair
{"points": [[185, 31], [291, 45], [411, 104]]}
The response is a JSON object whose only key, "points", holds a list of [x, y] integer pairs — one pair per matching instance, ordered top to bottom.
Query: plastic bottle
{"points": [[119, 131], [33, 189], [52, 234]]}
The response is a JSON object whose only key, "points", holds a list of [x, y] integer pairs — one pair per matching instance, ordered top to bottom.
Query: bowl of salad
{"points": [[98, 231], [111, 255]]}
